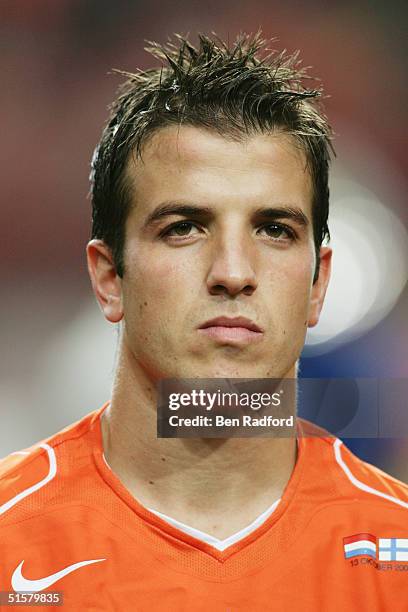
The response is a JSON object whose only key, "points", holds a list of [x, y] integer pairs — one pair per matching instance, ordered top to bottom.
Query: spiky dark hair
{"points": [[236, 90]]}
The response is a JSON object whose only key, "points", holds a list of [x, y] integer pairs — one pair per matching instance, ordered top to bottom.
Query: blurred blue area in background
{"points": [[368, 357]]}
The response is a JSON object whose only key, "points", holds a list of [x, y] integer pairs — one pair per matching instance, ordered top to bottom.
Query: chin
{"points": [[231, 371]]}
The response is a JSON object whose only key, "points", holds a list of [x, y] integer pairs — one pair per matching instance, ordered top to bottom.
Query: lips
{"points": [[242, 322], [237, 330]]}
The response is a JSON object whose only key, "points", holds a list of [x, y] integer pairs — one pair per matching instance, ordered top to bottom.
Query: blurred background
{"points": [[57, 351]]}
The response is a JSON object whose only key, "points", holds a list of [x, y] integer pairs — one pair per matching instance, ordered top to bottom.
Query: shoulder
{"points": [[35, 476], [349, 478], [367, 479]]}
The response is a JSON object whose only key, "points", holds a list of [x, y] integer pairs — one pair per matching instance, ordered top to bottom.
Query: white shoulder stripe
{"points": [[51, 474], [360, 485]]}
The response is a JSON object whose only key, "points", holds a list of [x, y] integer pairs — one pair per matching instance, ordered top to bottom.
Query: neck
{"points": [[197, 481]]}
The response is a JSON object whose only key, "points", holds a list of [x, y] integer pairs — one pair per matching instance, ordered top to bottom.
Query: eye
{"points": [[182, 228], [278, 232]]}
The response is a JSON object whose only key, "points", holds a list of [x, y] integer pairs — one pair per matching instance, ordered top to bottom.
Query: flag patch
{"points": [[360, 544], [393, 549]]}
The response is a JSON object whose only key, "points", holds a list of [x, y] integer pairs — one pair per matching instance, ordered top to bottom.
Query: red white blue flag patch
{"points": [[360, 544]]}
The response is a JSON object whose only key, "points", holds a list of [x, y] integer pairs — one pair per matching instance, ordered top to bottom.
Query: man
{"points": [[210, 206]]}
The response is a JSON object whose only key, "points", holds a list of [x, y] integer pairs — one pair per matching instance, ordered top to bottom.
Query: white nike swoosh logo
{"points": [[19, 583]]}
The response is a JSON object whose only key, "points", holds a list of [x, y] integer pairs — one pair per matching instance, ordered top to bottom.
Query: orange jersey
{"points": [[337, 541]]}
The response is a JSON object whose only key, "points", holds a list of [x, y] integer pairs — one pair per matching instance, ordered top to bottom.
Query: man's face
{"points": [[244, 250]]}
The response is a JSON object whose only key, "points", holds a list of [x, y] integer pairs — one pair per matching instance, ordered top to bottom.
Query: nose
{"points": [[232, 268]]}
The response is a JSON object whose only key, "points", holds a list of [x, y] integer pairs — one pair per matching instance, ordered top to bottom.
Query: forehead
{"points": [[197, 163]]}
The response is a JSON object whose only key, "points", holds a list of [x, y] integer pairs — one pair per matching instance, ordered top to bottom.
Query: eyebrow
{"points": [[171, 208], [205, 212], [283, 212]]}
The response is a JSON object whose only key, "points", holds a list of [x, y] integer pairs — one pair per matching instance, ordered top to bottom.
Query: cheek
{"points": [[293, 273], [290, 284], [155, 287]]}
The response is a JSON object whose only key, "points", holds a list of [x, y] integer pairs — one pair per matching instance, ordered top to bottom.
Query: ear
{"points": [[106, 284], [320, 286]]}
